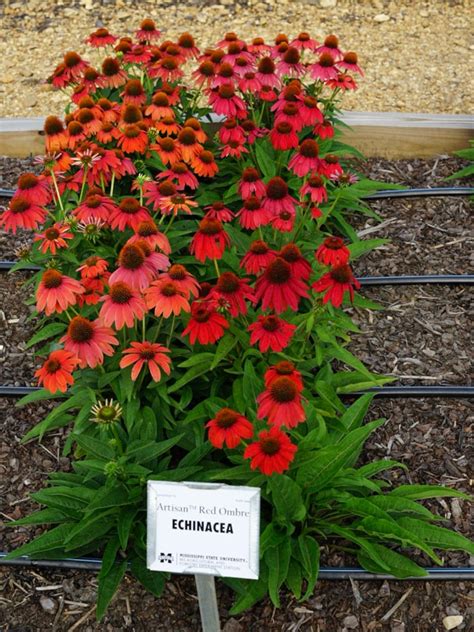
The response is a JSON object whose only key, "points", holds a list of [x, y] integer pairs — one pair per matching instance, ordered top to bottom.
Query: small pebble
{"points": [[381, 17], [48, 605], [453, 621], [351, 622]]}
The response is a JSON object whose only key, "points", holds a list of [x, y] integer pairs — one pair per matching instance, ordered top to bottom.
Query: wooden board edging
{"points": [[390, 135]]}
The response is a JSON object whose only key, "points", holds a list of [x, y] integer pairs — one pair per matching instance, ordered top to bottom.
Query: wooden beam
{"points": [[385, 134]]}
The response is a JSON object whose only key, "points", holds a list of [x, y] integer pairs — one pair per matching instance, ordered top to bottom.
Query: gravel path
{"points": [[415, 54]]}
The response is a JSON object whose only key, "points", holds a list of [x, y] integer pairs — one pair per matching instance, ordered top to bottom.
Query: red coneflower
{"points": [[147, 31], [100, 38], [330, 47], [137, 54], [350, 62], [167, 69], [324, 69], [204, 73], [266, 73], [113, 75], [60, 77], [342, 82], [267, 94], [225, 101], [160, 106], [310, 112], [324, 129], [231, 131], [283, 136], [56, 137], [132, 138], [234, 149], [306, 158], [204, 164], [330, 166], [181, 174], [251, 184], [314, 187], [34, 189], [277, 197], [177, 203], [95, 206], [219, 211], [22, 214], [128, 214], [253, 214], [284, 221], [148, 232], [53, 238], [210, 240], [332, 252], [257, 258], [300, 267], [93, 268], [133, 268], [185, 281], [336, 283], [278, 288], [93, 291], [234, 291], [56, 292], [166, 298], [122, 305], [205, 325], [271, 332], [89, 341], [150, 354], [283, 368], [56, 372], [281, 403], [229, 427], [273, 452]]}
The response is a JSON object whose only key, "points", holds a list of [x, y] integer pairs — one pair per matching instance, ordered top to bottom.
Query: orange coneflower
{"points": [[74, 64], [166, 69], [113, 75], [133, 92], [160, 106], [110, 111], [89, 119], [167, 126], [107, 133], [55, 134], [76, 134], [133, 139], [188, 143], [168, 150], [204, 164], [176, 203], [22, 214], [148, 232], [53, 238], [93, 268], [185, 281], [56, 292], [166, 298], [122, 305], [89, 341], [152, 355], [56, 372]]}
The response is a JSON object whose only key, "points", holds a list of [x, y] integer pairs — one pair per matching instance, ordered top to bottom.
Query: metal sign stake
{"points": [[206, 590]]}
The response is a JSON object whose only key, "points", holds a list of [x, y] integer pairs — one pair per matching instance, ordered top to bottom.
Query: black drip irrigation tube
{"points": [[331, 573]]}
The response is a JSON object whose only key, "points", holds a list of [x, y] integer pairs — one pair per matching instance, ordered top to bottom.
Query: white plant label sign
{"points": [[203, 528]]}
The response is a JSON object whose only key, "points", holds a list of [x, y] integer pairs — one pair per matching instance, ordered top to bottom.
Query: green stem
{"points": [[84, 177], [112, 184], [58, 195], [169, 224], [216, 265], [173, 322], [143, 329]]}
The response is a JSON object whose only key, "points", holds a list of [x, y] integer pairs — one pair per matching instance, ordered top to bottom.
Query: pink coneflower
{"points": [[147, 31], [100, 38], [230, 38], [304, 42], [188, 45], [258, 46], [330, 46], [237, 53], [138, 54], [350, 62], [290, 64], [167, 69], [324, 69], [204, 73], [266, 73], [224, 75], [343, 82], [249, 83], [268, 94], [225, 101], [310, 112], [290, 113], [231, 131], [283, 136], [235, 149], [306, 158], [330, 166], [181, 175], [344, 178], [251, 184], [315, 188], [33, 189], [155, 192], [277, 197], [219, 211], [22, 214], [128, 214], [253, 214], [284, 221], [148, 232], [54, 238], [210, 241], [332, 252], [257, 258], [156, 261], [93, 267], [300, 267], [133, 268], [185, 281], [336, 283], [278, 288], [234, 291], [56, 292], [166, 298], [121, 306], [205, 325], [271, 332], [89, 341], [149, 354], [56, 372], [281, 404], [229, 427]]}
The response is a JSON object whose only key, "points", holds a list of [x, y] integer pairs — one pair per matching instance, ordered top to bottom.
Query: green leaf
{"points": [[265, 158], [359, 248], [48, 331], [225, 345], [342, 354], [198, 358], [189, 376], [249, 385], [328, 395], [37, 396], [76, 401], [356, 413], [94, 447], [150, 450], [196, 455], [371, 469], [178, 474], [421, 492], [113, 497], [286, 497], [64, 498], [396, 505], [44, 516], [124, 525], [89, 529], [437, 537], [51, 540], [367, 546], [307, 552], [109, 555], [277, 558], [398, 565], [294, 578], [154, 581], [108, 585], [254, 591]]}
